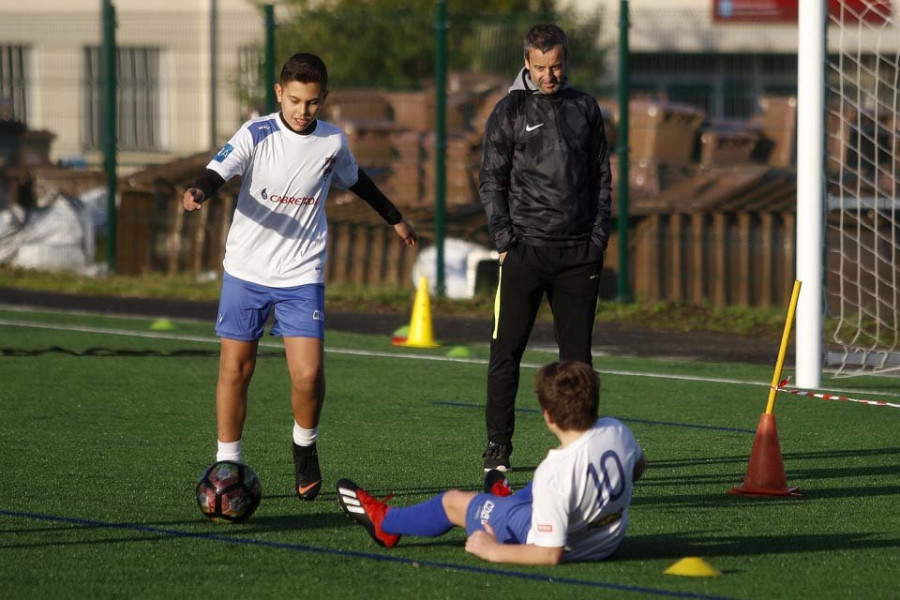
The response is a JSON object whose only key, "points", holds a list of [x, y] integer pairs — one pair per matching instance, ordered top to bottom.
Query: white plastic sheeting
{"points": [[57, 236], [461, 260]]}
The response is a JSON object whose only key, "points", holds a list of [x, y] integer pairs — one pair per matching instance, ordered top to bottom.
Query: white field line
{"points": [[93, 313], [401, 355]]}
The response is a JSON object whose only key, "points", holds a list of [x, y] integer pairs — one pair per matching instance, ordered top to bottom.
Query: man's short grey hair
{"points": [[546, 36]]}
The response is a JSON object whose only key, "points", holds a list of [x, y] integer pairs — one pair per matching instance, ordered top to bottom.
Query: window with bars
{"points": [[14, 82], [138, 99]]}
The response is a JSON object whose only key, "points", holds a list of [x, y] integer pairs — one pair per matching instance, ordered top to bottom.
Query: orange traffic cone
{"points": [[420, 332], [765, 473]]}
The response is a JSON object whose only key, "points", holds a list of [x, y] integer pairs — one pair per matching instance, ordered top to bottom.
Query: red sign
{"points": [[786, 11]]}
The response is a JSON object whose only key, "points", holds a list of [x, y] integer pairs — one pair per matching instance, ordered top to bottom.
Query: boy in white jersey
{"points": [[275, 253], [575, 508]]}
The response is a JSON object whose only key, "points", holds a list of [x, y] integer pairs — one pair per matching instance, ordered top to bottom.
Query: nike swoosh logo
{"points": [[532, 127], [305, 488]]}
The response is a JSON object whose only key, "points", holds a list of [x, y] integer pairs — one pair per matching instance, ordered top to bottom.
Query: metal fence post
{"points": [[269, 66], [213, 72], [109, 127], [440, 150], [623, 293]]}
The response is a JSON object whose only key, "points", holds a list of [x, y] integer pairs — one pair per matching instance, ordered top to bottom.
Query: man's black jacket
{"points": [[545, 175]]}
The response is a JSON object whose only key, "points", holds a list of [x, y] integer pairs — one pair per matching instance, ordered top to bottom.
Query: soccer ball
{"points": [[228, 492]]}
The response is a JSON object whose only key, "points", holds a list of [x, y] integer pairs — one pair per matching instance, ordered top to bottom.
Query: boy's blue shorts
{"points": [[244, 308], [510, 516]]}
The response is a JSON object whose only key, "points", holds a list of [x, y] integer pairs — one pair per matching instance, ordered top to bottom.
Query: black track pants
{"points": [[570, 276]]}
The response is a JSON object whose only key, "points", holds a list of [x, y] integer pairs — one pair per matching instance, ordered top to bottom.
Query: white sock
{"points": [[305, 437], [229, 451]]}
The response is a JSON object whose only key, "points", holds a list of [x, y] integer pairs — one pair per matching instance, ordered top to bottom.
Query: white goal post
{"points": [[810, 189], [848, 193]]}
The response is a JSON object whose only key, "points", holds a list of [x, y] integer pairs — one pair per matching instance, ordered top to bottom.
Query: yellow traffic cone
{"points": [[420, 332], [692, 566]]}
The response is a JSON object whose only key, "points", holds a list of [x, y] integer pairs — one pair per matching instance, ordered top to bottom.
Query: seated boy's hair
{"points": [[305, 68], [570, 393]]}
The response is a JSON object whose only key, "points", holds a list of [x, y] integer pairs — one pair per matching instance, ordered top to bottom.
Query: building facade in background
{"points": [[718, 55], [50, 75]]}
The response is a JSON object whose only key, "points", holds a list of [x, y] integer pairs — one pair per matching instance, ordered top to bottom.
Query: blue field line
{"points": [[643, 421], [351, 553]]}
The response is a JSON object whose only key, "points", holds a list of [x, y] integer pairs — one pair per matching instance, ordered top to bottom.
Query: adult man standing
{"points": [[546, 187]]}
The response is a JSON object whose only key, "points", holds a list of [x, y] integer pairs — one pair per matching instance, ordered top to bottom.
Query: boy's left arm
{"points": [[366, 189], [406, 232], [483, 544]]}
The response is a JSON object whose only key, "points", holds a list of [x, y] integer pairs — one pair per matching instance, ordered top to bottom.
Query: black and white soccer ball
{"points": [[228, 492]]}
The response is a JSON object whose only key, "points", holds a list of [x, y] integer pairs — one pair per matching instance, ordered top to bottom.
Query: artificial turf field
{"points": [[105, 426]]}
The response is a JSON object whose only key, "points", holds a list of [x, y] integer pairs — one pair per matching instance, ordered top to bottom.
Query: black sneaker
{"points": [[496, 457], [307, 476], [496, 483]]}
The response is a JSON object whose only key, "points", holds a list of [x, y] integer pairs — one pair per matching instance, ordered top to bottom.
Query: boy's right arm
{"points": [[231, 160], [203, 188], [193, 198]]}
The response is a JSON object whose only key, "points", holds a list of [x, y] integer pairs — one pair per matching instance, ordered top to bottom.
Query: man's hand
{"points": [[193, 199], [408, 236], [502, 257], [483, 543]]}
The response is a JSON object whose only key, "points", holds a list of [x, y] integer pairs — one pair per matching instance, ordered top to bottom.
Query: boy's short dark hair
{"points": [[545, 36], [305, 68], [570, 393]]}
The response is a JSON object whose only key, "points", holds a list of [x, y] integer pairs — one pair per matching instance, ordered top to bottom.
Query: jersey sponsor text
{"points": [[305, 200]]}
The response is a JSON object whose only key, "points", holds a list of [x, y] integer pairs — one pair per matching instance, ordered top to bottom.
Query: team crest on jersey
{"points": [[223, 153], [329, 165], [545, 528]]}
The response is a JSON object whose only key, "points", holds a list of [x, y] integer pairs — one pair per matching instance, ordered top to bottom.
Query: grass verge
{"points": [[680, 316]]}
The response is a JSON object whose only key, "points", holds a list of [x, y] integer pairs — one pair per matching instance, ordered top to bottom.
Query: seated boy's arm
{"points": [[639, 465], [484, 545]]}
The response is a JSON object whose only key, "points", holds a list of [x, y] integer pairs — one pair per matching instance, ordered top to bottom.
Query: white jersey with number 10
{"points": [[581, 493]]}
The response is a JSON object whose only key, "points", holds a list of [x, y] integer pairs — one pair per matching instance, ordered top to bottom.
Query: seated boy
{"points": [[575, 508]]}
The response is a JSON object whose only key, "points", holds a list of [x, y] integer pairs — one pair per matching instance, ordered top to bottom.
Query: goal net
{"points": [[862, 220]]}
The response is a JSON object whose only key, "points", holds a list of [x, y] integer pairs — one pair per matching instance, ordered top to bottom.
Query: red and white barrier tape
{"points": [[781, 388]]}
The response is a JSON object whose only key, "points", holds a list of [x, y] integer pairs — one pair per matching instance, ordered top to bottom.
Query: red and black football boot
{"points": [[496, 483], [366, 510]]}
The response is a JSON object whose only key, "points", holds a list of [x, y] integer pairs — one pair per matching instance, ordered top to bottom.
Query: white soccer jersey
{"points": [[278, 234], [582, 492]]}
